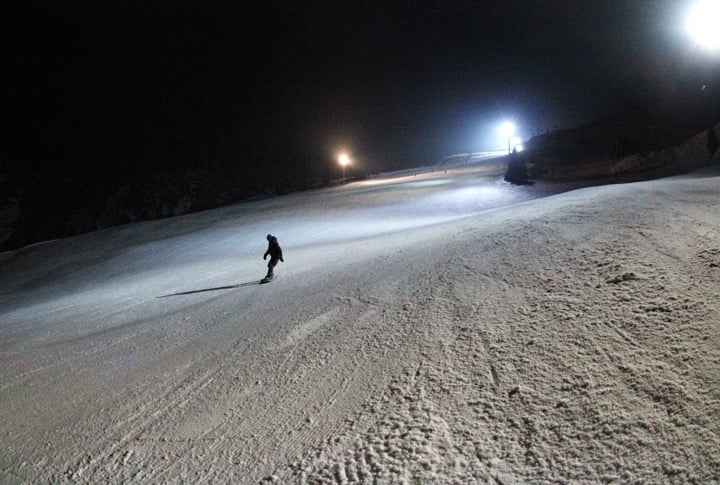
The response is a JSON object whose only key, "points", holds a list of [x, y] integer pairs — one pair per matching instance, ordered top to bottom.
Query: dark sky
{"points": [[294, 82]]}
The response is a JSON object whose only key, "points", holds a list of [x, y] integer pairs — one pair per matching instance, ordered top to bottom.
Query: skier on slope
{"points": [[275, 252]]}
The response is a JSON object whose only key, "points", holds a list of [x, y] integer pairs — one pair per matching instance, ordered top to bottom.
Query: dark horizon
{"points": [[289, 83]]}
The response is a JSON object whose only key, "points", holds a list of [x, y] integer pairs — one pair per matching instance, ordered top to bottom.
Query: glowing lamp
{"points": [[702, 23], [507, 129], [343, 159]]}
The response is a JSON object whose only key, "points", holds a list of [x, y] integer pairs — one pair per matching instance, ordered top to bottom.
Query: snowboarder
{"points": [[275, 252]]}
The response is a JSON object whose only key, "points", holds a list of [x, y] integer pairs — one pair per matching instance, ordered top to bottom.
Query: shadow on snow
{"points": [[229, 287]]}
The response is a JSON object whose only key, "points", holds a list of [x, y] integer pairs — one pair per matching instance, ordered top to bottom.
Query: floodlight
{"points": [[701, 23], [507, 129], [343, 159]]}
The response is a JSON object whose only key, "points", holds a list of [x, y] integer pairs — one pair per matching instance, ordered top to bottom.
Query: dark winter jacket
{"points": [[274, 249]]}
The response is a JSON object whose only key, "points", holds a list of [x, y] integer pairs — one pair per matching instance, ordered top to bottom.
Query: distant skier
{"points": [[275, 252]]}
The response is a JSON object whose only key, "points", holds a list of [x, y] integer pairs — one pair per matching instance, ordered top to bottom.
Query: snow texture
{"points": [[435, 328]]}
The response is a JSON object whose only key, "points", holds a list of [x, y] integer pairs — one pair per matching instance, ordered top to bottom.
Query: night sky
{"points": [[292, 83]]}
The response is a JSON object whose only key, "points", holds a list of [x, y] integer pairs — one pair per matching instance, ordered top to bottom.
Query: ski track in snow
{"points": [[424, 329]]}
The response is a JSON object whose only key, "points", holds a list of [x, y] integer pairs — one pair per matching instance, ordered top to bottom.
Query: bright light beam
{"points": [[702, 23], [507, 129], [343, 159]]}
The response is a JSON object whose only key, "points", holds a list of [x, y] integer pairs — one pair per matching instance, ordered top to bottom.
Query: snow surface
{"points": [[429, 328]]}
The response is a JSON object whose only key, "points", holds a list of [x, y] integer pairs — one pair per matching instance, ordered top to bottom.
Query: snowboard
{"points": [[266, 280]]}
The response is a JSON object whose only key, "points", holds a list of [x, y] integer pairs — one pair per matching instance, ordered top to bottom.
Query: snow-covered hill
{"points": [[439, 327]]}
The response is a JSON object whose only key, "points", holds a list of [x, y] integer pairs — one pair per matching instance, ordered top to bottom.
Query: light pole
{"points": [[508, 130], [343, 159]]}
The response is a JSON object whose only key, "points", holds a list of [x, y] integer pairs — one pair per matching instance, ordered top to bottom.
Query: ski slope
{"points": [[437, 327]]}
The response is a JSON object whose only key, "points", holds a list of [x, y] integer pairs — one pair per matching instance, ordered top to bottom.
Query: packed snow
{"points": [[436, 327]]}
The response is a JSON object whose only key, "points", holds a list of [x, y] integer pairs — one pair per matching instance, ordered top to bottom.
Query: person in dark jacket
{"points": [[275, 252]]}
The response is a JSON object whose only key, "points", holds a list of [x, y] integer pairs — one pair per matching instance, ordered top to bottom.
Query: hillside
{"points": [[626, 149], [62, 196]]}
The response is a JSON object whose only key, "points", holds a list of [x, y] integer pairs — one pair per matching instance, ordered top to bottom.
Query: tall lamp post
{"points": [[508, 130], [343, 159]]}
